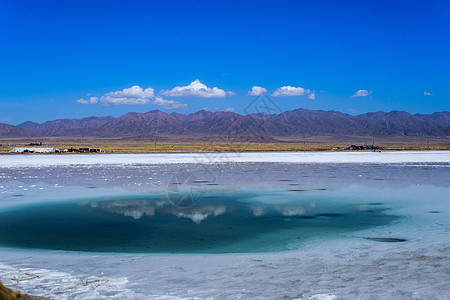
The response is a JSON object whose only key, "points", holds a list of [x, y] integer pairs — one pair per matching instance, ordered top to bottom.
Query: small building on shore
{"points": [[34, 150], [90, 150]]}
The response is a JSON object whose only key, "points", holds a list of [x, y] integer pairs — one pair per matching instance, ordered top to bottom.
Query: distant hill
{"points": [[403, 123], [27, 125], [66, 127], [258, 127], [10, 131]]}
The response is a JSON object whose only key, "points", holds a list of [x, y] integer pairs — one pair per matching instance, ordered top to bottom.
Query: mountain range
{"points": [[296, 123]]}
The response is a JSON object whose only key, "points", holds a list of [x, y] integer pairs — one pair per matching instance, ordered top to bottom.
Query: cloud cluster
{"points": [[196, 89], [257, 91], [284, 91], [288, 91], [361, 93], [427, 94], [134, 95], [137, 95], [90, 100], [168, 104]]}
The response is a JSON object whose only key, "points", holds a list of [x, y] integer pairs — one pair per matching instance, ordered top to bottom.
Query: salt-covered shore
{"points": [[27, 160]]}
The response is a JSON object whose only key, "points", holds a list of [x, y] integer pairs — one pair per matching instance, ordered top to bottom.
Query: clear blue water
{"points": [[245, 207], [217, 222]]}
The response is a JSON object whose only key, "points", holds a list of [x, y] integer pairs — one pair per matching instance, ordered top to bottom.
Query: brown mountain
{"points": [[294, 123], [131, 124], [406, 124], [66, 127], [14, 131]]}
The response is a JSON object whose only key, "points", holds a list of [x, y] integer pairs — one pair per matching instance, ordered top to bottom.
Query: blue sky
{"points": [[310, 54]]}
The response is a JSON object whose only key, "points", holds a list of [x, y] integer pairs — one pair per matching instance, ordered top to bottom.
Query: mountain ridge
{"points": [[293, 123]]}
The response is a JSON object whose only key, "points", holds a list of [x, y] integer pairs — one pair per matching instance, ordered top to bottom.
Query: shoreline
{"points": [[231, 146], [237, 149], [355, 157]]}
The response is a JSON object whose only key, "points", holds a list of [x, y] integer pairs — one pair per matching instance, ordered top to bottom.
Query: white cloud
{"points": [[196, 89], [257, 91], [286, 91], [361, 93], [427, 94], [134, 95], [312, 96], [90, 100], [168, 104]]}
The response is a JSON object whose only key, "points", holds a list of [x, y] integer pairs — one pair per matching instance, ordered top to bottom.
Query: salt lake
{"points": [[326, 225]]}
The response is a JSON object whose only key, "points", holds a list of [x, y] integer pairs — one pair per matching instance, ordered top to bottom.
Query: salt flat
{"points": [[217, 157]]}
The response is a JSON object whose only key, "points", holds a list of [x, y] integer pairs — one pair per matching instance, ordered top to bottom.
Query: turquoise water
{"points": [[216, 222]]}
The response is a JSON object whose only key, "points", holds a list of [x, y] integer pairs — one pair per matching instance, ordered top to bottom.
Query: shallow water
{"points": [[219, 222]]}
